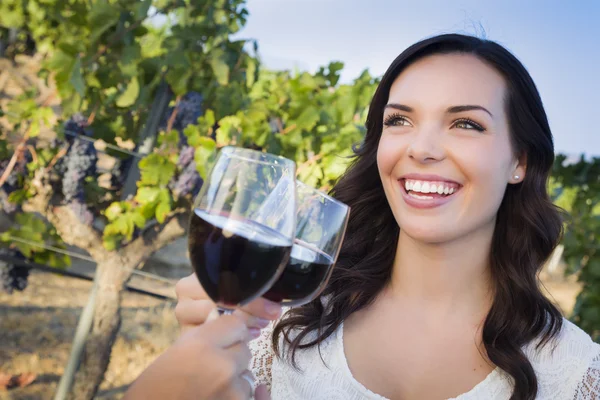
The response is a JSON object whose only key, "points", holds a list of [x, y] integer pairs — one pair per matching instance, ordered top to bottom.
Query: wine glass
{"points": [[243, 225], [320, 227]]}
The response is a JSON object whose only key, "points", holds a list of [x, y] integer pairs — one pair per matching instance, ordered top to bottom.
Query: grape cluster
{"points": [[189, 109], [76, 165], [188, 180], [12, 182], [12, 277]]}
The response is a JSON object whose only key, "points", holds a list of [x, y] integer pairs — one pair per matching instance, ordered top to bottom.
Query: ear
{"points": [[519, 169]]}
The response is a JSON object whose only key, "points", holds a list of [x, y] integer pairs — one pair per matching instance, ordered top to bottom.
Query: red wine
{"points": [[235, 260], [305, 274]]}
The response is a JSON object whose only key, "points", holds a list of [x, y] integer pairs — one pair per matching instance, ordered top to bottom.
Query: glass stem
{"points": [[224, 311]]}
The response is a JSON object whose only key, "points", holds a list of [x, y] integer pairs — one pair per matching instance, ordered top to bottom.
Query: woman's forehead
{"points": [[447, 80]]}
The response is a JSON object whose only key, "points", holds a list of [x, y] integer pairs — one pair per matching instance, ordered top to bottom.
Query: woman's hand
{"points": [[194, 307], [209, 362]]}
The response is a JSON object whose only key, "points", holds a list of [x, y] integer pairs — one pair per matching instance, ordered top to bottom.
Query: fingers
{"points": [[190, 288], [263, 309], [193, 312], [226, 331], [241, 356], [244, 385], [262, 393]]}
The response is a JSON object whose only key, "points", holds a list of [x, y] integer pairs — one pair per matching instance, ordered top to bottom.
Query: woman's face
{"points": [[445, 156]]}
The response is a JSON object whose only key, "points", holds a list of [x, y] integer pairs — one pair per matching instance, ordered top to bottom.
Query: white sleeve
{"points": [[262, 356], [589, 386]]}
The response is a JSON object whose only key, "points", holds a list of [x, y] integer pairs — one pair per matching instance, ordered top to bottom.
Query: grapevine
{"points": [[13, 182]]}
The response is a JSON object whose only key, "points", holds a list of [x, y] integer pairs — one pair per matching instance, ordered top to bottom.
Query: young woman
{"points": [[435, 294]]}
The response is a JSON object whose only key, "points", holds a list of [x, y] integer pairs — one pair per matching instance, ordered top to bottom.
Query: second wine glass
{"points": [[320, 227]]}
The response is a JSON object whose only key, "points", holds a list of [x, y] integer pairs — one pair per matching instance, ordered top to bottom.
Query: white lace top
{"points": [[569, 372]]}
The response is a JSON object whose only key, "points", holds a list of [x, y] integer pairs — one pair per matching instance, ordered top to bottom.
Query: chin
{"points": [[430, 234]]}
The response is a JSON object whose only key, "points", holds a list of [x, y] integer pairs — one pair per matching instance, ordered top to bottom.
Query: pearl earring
{"points": [[517, 177]]}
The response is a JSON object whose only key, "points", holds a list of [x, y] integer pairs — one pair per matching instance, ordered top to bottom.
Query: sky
{"points": [[557, 41]]}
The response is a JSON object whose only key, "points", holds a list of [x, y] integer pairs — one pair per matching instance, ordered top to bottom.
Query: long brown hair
{"points": [[528, 227]]}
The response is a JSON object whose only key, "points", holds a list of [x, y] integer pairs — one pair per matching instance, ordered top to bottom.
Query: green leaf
{"points": [[141, 9], [102, 17], [219, 66], [251, 72], [76, 78], [178, 79], [128, 98], [209, 117], [308, 118], [34, 128], [193, 135], [169, 139], [204, 155], [156, 170], [147, 195], [18, 196], [164, 196], [163, 209], [148, 210], [113, 211], [138, 219], [31, 223], [111, 242], [56, 260]]}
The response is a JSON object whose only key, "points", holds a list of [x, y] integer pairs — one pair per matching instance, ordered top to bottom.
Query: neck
{"points": [[444, 278]]}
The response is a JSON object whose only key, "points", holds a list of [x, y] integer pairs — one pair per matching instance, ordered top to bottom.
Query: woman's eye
{"points": [[396, 120], [468, 124]]}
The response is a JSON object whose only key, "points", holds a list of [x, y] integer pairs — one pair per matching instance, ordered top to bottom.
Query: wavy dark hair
{"points": [[528, 227]]}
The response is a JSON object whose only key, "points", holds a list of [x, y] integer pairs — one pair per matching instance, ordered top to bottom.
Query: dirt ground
{"points": [[37, 326]]}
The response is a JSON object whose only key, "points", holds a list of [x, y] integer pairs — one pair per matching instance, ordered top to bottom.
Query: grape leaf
{"points": [[219, 66], [76, 78], [128, 98], [156, 170], [147, 194], [163, 209]]}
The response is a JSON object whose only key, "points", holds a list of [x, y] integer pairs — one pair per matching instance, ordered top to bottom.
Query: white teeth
{"points": [[428, 187], [420, 197]]}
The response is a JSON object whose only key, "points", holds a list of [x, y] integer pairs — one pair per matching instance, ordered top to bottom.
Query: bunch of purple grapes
{"points": [[189, 109], [76, 165], [188, 180], [12, 182], [12, 277]]}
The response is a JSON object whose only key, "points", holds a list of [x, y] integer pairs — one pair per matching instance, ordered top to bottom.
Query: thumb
{"points": [[261, 393]]}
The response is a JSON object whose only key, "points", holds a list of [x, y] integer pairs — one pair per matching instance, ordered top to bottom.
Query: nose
{"points": [[427, 147]]}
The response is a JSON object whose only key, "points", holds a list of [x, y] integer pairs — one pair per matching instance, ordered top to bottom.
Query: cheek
{"points": [[389, 152], [488, 169]]}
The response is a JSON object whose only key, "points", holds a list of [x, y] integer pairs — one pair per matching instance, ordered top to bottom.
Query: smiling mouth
{"points": [[429, 190]]}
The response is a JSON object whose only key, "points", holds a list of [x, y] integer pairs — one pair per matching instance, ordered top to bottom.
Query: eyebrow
{"points": [[450, 110]]}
